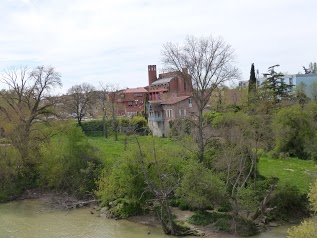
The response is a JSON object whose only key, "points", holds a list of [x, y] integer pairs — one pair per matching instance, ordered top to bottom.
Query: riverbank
{"points": [[57, 200], [181, 216]]}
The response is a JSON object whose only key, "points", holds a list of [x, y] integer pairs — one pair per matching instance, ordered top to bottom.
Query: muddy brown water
{"points": [[33, 218]]}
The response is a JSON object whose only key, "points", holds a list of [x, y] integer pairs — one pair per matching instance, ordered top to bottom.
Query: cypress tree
{"points": [[252, 84]]}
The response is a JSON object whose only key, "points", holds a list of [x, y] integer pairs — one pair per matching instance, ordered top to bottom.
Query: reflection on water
{"points": [[25, 219]]}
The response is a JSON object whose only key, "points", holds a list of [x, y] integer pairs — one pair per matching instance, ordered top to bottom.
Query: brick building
{"points": [[167, 85], [169, 99], [132, 101]]}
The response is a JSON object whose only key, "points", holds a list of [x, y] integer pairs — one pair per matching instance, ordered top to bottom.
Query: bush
{"points": [[136, 124], [94, 128], [295, 132], [69, 163], [124, 179], [10, 184], [203, 191], [289, 202], [124, 208], [225, 222], [307, 229]]}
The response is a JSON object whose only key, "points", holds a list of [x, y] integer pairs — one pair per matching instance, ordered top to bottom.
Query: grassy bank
{"points": [[110, 149], [300, 173]]}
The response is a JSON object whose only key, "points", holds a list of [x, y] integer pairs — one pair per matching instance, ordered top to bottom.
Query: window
{"points": [[138, 95], [190, 103], [130, 104], [182, 112], [169, 113]]}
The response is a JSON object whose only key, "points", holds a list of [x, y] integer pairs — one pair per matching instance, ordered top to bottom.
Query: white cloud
{"points": [[114, 41]]}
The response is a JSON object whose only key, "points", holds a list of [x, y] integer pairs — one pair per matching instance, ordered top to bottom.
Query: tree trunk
{"points": [[200, 137]]}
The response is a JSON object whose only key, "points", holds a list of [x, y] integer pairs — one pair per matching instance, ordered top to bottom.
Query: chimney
{"points": [[152, 73]]}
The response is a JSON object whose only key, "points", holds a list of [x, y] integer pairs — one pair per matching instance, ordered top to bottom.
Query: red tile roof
{"points": [[135, 90]]}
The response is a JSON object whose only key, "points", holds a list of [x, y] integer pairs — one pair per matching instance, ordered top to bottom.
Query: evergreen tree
{"points": [[252, 84], [276, 86]]}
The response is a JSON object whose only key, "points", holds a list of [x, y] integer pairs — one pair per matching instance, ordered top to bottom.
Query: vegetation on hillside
{"points": [[253, 165]]}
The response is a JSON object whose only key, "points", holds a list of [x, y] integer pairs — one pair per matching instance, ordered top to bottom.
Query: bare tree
{"points": [[208, 61], [104, 99], [80, 100], [25, 103], [114, 108]]}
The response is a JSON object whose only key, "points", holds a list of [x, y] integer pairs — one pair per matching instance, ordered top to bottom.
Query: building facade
{"points": [[169, 99], [132, 101]]}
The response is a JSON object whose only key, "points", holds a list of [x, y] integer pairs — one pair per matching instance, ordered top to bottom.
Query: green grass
{"points": [[110, 149], [300, 173]]}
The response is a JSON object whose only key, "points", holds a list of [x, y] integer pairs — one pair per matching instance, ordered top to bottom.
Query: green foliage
{"points": [[252, 84], [275, 87], [210, 116], [135, 124], [140, 124], [94, 127], [295, 132], [69, 163], [297, 172], [9, 178], [124, 179], [200, 188], [312, 196], [248, 199], [288, 201], [123, 208], [203, 218], [224, 222], [244, 227], [307, 229]]}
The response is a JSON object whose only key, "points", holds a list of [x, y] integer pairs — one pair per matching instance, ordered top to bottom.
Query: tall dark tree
{"points": [[252, 84], [276, 85]]}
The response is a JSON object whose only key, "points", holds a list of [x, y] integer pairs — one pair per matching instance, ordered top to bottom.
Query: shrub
{"points": [[295, 132], [69, 163], [10, 184], [203, 191], [288, 201], [124, 208]]}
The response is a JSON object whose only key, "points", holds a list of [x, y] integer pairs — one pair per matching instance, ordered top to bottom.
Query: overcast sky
{"points": [[113, 41]]}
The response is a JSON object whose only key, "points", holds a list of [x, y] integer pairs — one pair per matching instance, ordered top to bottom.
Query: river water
{"points": [[32, 218]]}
